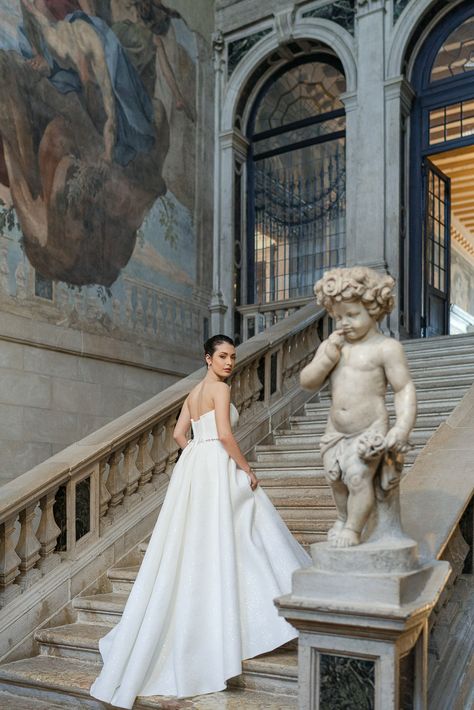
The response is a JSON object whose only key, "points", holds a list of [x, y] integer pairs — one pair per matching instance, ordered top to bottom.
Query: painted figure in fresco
{"points": [[82, 138], [362, 455]]}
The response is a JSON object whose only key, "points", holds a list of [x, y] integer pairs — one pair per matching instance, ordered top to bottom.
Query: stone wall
{"points": [[105, 214]]}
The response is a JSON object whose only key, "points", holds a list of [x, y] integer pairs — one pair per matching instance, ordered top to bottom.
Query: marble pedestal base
{"points": [[362, 614]]}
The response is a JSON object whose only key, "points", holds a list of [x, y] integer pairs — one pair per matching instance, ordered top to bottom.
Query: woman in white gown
{"points": [[218, 556]]}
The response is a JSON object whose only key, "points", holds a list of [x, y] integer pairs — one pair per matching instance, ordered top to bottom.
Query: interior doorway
{"points": [[457, 168], [441, 233]]}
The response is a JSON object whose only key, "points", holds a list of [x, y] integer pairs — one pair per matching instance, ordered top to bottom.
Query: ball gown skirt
{"points": [[203, 597]]}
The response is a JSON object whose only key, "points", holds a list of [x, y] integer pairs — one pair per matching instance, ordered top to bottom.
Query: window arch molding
{"points": [[406, 29], [323, 31], [231, 148]]}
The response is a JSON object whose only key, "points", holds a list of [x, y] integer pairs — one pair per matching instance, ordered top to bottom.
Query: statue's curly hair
{"points": [[356, 283]]}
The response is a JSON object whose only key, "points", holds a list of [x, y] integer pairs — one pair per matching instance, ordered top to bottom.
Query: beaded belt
{"points": [[201, 441]]}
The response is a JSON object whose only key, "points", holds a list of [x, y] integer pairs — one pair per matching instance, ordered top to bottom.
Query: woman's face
{"points": [[222, 361]]}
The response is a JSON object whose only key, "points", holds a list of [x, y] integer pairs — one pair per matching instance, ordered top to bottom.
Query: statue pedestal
{"points": [[362, 614]]}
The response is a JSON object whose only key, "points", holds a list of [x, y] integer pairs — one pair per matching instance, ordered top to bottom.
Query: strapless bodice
{"points": [[205, 427]]}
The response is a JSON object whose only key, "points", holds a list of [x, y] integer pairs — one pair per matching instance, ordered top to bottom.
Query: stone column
{"points": [[398, 99], [367, 246], [217, 305], [362, 613]]}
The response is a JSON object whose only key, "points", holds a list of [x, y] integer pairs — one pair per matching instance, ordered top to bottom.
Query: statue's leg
{"points": [[358, 477], [339, 490]]}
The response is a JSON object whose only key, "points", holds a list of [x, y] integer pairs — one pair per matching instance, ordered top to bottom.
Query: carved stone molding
{"points": [[284, 25]]}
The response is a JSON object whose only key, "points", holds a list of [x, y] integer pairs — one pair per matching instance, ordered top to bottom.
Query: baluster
{"points": [[4, 270], [128, 306], [139, 312], [149, 314], [256, 384], [245, 392], [236, 393], [170, 444], [158, 451], [145, 463], [130, 470], [115, 483], [105, 496], [48, 533], [28, 548], [9, 562]]}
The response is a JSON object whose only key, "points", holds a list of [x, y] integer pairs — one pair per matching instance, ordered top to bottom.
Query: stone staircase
{"points": [[290, 469]]}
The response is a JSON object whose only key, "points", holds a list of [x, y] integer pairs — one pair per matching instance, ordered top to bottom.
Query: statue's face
{"points": [[353, 319]]}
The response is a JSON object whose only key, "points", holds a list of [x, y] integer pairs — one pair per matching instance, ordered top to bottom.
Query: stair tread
{"points": [[123, 573], [107, 600], [78, 634], [281, 662], [73, 676], [18, 702]]}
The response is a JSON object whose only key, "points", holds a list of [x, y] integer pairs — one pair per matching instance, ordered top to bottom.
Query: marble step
{"points": [[439, 341], [448, 359], [438, 369], [450, 392], [425, 408], [316, 425], [314, 433], [309, 453], [301, 498], [321, 521], [122, 578], [105, 608], [81, 641], [275, 672], [66, 681], [8, 701]]}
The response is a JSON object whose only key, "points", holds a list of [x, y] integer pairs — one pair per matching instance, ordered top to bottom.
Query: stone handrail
{"points": [[256, 317], [63, 506]]}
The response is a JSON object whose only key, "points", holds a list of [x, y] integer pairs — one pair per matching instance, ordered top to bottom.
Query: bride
{"points": [[218, 556]]}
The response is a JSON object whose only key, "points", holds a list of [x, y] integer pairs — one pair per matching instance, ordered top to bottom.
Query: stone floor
{"points": [[228, 700]]}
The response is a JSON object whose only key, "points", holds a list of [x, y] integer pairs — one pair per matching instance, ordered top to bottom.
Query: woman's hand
{"points": [[253, 479]]}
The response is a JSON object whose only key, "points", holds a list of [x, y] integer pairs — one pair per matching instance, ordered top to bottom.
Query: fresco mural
{"points": [[84, 131]]}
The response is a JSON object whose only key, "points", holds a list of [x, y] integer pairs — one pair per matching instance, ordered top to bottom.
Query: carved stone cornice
{"points": [[284, 25]]}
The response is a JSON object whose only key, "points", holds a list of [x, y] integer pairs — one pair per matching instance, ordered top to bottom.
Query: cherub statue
{"points": [[362, 455]]}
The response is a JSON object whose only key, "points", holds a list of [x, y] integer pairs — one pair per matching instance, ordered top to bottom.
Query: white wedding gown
{"points": [[203, 598]]}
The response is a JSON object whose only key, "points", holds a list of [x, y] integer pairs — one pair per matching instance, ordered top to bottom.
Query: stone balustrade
{"points": [[257, 317], [57, 511]]}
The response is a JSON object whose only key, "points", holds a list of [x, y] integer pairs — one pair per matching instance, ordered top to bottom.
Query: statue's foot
{"points": [[335, 530], [346, 538]]}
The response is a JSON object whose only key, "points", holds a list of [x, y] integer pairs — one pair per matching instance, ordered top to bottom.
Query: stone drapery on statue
{"points": [[362, 454]]}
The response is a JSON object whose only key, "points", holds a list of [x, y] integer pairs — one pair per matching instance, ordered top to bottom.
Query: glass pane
{"points": [[456, 56], [304, 91], [451, 122], [316, 130], [299, 219], [83, 507], [346, 682]]}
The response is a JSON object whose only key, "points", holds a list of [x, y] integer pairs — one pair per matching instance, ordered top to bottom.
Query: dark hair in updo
{"points": [[210, 346]]}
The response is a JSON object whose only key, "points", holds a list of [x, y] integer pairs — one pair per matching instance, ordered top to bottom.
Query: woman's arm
{"points": [[182, 426], [224, 430]]}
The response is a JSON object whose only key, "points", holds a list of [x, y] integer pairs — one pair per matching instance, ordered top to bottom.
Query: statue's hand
{"points": [[334, 345], [397, 440]]}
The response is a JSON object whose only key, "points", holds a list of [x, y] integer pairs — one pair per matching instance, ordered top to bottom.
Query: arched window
{"points": [[442, 179], [296, 180]]}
